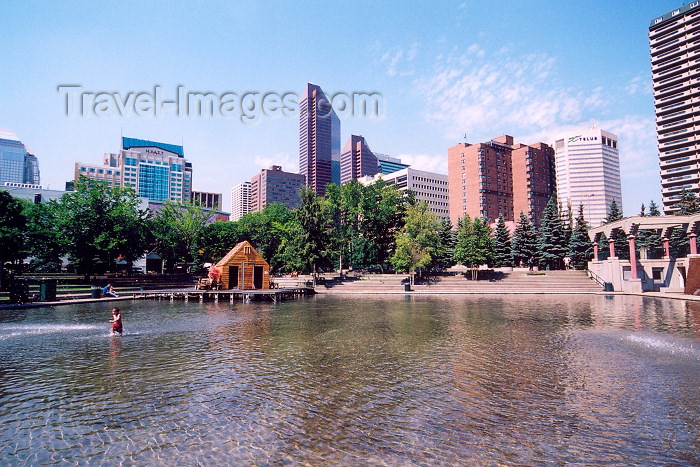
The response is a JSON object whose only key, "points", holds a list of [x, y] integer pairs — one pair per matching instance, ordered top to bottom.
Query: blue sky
{"points": [[531, 69]]}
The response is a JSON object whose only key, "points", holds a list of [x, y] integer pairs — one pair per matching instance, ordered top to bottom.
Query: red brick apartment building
{"points": [[499, 177]]}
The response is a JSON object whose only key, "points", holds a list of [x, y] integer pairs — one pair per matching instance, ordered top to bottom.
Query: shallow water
{"points": [[348, 380]]}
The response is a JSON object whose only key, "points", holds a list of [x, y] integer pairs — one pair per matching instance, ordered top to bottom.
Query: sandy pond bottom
{"points": [[395, 380]]}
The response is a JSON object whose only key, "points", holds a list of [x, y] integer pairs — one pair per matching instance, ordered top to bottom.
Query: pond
{"points": [[518, 379]]}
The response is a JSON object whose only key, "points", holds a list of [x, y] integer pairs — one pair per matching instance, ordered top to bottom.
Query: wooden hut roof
{"points": [[236, 249]]}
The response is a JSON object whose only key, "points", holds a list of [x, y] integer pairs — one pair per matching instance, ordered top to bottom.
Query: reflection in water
{"points": [[449, 380]]}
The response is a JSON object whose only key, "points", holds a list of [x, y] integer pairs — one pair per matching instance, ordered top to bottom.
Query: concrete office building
{"points": [[675, 51], [319, 140], [357, 160], [17, 164], [388, 164], [157, 171], [588, 173], [483, 182], [274, 186], [427, 186], [206, 199], [240, 200]]}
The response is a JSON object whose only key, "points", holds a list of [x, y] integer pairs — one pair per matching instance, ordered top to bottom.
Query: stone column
{"points": [[693, 244], [611, 246], [667, 248], [595, 251], [633, 256]]}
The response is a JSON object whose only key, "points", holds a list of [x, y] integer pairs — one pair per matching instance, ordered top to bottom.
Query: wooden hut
{"points": [[243, 268]]}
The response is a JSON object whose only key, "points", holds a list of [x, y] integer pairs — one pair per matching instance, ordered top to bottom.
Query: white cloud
{"points": [[639, 85], [468, 94], [288, 162], [427, 162]]}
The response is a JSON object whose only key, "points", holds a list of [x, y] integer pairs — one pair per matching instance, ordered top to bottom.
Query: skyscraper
{"points": [[674, 54], [319, 140], [357, 160], [17, 164], [157, 171], [588, 173], [240, 200]]}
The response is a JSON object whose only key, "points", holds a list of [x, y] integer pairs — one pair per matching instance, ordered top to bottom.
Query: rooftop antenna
{"points": [[593, 122]]}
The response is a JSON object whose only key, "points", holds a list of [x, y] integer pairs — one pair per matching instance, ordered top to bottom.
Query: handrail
{"points": [[599, 280]]}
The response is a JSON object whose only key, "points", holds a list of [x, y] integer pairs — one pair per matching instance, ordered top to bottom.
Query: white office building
{"points": [[588, 173], [428, 186], [240, 200]]}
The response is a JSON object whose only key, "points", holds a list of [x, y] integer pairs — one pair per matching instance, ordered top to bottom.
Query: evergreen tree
{"points": [[687, 205], [654, 209], [647, 238], [448, 240], [524, 242], [501, 244], [552, 244], [621, 244], [580, 245]]}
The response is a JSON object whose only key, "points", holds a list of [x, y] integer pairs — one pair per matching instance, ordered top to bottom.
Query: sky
{"points": [[531, 69]]}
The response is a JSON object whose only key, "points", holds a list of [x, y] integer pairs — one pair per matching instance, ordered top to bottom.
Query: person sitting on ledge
{"points": [[108, 291]]}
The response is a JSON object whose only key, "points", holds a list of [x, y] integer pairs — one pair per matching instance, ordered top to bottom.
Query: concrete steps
{"points": [[508, 282]]}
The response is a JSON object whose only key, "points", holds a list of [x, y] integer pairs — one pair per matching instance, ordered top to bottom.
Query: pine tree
{"points": [[688, 205], [654, 209], [647, 238], [448, 240], [552, 240], [524, 242], [501, 244], [621, 244], [580, 245]]}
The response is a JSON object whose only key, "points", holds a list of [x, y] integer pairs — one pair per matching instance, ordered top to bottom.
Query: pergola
{"points": [[663, 225]]}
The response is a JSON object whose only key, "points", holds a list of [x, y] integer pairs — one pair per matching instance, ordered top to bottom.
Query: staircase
{"points": [[518, 281]]}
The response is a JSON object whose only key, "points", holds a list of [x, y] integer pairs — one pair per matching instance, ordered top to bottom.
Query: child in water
{"points": [[117, 320]]}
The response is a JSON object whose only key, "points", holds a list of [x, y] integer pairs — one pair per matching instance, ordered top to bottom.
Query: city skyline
{"points": [[548, 64]]}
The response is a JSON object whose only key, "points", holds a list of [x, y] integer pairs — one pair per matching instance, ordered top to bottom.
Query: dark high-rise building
{"points": [[674, 49], [319, 140], [357, 160]]}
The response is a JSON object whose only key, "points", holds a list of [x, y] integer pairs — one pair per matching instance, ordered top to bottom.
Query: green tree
{"points": [[688, 203], [654, 209], [314, 222], [100, 224], [12, 225], [178, 227], [261, 230], [619, 236], [217, 239], [648, 239], [418, 241], [448, 241], [45, 243], [524, 243], [474, 244], [553, 245], [580, 245], [502, 251]]}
